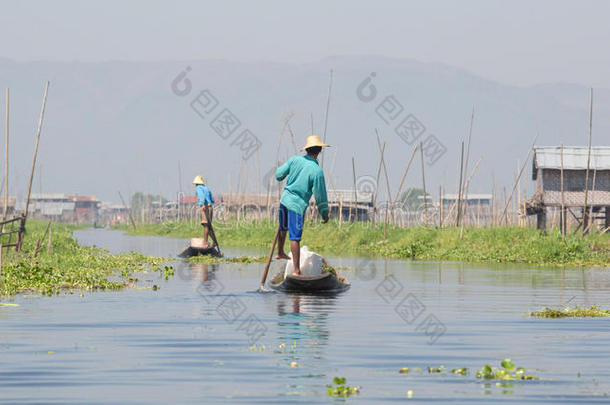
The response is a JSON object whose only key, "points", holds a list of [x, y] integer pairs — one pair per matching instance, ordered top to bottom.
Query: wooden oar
{"points": [[277, 233], [212, 234]]}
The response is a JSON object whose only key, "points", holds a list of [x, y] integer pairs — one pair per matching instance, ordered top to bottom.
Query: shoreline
{"points": [[511, 245], [67, 265]]}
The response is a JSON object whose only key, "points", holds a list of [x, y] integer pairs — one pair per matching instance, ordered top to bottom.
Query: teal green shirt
{"points": [[304, 177]]}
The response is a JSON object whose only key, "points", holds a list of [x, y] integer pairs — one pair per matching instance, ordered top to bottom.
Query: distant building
{"points": [[548, 165], [469, 200], [12, 202], [64, 207], [85, 208], [113, 214]]}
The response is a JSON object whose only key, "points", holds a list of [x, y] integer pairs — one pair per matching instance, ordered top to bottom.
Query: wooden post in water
{"points": [[44, 102]]}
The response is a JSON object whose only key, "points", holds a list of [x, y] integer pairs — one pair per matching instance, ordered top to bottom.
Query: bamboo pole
{"points": [[330, 86], [44, 102], [468, 152], [404, 175], [518, 177], [423, 178], [387, 180], [467, 184], [377, 185], [354, 190], [518, 196], [459, 201], [440, 207], [5, 212], [590, 215], [562, 219], [585, 219], [133, 223], [50, 240]]}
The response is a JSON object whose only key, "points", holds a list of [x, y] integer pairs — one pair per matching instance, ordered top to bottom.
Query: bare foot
{"points": [[205, 246], [282, 256], [297, 273]]}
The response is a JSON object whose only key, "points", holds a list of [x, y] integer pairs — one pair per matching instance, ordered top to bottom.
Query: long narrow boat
{"points": [[195, 249], [191, 251], [320, 283]]}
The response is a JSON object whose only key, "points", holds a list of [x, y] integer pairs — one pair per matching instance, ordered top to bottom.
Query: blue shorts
{"points": [[292, 222]]}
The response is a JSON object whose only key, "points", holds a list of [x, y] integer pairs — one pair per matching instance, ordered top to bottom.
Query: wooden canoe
{"points": [[191, 251], [320, 283]]}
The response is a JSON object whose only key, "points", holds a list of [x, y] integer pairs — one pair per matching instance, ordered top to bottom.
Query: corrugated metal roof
{"points": [[574, 157], [50, 196]]}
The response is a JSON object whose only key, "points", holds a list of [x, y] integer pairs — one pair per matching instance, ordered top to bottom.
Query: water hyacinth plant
{"points": [[592, 312], [506, 372], [339, 389]]}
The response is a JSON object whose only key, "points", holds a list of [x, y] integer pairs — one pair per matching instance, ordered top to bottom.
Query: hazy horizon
{"points": [[112, 115]]}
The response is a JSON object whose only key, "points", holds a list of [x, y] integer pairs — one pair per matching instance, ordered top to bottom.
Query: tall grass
{"points": [[499, 244]]}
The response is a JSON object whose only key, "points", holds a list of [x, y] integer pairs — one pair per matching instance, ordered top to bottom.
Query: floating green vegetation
{"points": [[490, 245], [237, 260], [66, 265], [167, 271], [592, 312], [433, 370], [460, 371], [506, 372], [339, 389]]}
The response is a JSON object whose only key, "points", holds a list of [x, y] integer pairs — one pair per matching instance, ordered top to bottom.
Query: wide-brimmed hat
{"points": [[314, 140], [198, 180]]}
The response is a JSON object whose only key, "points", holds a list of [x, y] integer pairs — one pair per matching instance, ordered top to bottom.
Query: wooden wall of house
{"points": [[574, 186]]}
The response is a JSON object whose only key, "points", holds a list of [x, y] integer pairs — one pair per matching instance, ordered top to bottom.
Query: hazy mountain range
{"points": [[121, 126]]}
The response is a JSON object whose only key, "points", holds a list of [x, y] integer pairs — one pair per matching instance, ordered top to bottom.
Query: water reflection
{"points": [[303, 326]]}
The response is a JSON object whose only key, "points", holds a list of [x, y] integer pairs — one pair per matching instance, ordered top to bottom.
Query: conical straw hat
{"points": [[314, 140], [198, 180]]}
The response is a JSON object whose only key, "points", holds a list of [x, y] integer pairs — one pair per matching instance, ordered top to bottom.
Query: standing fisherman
{"points": [[304, 178], [205, 201]]}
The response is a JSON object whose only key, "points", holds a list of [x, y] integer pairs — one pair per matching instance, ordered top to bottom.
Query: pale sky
{"points": [[514, 42]]}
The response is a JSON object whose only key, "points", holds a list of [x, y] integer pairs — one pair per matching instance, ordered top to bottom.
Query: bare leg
{"points": [[206, 232], [281, 241], [295, 248]]}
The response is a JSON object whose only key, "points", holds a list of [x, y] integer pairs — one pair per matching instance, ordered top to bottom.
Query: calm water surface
{"points": [[198, 339]]}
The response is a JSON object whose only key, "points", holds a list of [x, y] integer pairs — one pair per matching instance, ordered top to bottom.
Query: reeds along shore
{"points": [[506, 244]]}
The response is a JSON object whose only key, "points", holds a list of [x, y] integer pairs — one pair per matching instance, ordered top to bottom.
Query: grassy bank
{"points": [[498, 245], [66, 266]]}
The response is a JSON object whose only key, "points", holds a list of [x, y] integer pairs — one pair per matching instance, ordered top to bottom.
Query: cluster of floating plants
{"points": [[239, 260], [168, 271], [592, 312], [507, 371], [339, 389]]}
